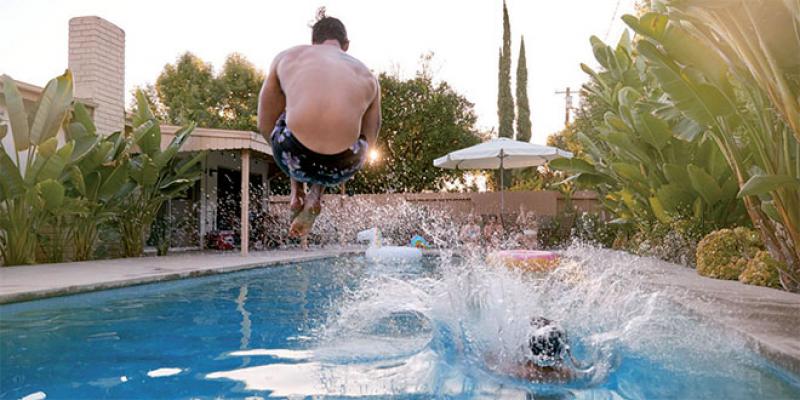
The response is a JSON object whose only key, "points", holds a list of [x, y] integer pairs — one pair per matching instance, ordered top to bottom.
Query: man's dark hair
{"points": [[328, 28]]}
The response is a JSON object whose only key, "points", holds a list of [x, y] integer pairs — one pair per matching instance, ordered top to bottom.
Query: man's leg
{"points": [[296, 198], [302, 224]]}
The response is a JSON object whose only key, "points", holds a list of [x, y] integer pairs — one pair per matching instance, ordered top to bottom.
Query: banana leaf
{"points": [[700, 101], [52, 109], [17, 116], [81, 116], [653, 130], [148, 137], [83, 146], [47, 148], [164, 157], [185, 165], [574, 165], [51, 167], [630, 172], [10, 180], [77, 180], [113, 183], [704, 184], [763, 184], [52, 193], [674, 197], [658, 210]]}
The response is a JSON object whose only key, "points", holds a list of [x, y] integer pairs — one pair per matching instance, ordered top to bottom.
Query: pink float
{"points": [[529, 260]]}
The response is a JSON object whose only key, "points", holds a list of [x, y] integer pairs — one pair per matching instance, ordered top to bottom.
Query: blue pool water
{"points": [[348, 328]]}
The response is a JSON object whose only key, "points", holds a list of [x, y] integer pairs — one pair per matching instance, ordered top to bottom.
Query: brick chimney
{"points": [[97, 61]]}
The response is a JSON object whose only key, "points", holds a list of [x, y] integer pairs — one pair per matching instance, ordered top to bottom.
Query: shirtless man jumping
{"points": [[322, 111]]}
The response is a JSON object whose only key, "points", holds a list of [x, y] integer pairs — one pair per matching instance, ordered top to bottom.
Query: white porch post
{"points": [[203, 202], [245, 221]]}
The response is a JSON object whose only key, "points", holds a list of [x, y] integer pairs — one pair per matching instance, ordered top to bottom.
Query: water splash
{"points": [[412, 329]]}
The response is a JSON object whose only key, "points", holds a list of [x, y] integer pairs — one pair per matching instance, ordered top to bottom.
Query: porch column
{"points": [[203, 202], [245, 221]]}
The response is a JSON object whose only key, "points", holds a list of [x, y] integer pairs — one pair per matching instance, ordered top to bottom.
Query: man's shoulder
{"points": [[291, 51], [360, 66]]}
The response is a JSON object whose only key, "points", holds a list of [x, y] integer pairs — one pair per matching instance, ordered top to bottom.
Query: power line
{"points": [[610, 23]]}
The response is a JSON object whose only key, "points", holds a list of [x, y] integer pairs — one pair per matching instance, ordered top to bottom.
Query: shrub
{"points": [[591, 228], [724, 254], [762, 270]]}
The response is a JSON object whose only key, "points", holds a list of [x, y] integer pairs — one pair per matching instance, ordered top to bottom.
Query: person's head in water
{"points": [[328, 28], [547, 343]]}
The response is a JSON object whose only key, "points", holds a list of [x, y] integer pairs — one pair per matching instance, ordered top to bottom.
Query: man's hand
{"points": [[371, 121]]}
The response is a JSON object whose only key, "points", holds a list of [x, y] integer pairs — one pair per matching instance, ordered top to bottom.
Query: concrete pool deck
{"points": [[33, 282], [768, 318]]}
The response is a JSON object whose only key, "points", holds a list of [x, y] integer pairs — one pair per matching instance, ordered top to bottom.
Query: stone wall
{"points": [[97, 61], [460, 205]]}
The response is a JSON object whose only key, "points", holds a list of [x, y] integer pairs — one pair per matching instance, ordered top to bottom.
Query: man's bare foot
{"points": [[304, 221]]}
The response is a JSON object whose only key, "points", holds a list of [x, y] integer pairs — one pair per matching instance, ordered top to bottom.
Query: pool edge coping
{"points": [[49, 293], [709, 304]]}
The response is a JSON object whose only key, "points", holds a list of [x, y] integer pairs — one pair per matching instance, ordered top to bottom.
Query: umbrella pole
{"points": [[502, 190]]}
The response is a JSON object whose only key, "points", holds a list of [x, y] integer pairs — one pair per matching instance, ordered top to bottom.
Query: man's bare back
{"points": [[327, 94]]}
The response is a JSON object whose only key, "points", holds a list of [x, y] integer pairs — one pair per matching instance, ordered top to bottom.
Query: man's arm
{"points": [[271, 100], [371, 121]]}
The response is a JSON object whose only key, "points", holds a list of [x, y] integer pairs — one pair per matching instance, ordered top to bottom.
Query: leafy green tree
{"points": [[239, 83], [189, 92], [505, 101], [523, 108], [422, 120], [567, 139]]}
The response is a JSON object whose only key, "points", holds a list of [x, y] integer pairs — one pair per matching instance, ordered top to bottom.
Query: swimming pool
{"points": [[347, 328]]}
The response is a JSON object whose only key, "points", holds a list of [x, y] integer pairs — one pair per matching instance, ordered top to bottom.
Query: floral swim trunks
{"points": [[304, 165]]}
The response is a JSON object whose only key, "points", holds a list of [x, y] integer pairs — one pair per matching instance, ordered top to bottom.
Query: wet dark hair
{"points": [[326, 28], [547, 345]]}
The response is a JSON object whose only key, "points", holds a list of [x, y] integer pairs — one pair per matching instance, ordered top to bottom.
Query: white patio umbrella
{"points": [[500, 153]]}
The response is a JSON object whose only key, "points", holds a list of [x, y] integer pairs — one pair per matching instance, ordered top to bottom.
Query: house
{"points": [[237, 166]]}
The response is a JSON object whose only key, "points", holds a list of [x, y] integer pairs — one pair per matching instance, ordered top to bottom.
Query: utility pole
{"points": [[567, 103]]}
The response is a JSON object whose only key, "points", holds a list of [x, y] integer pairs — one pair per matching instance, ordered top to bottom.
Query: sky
{"points": [[387, 35]]}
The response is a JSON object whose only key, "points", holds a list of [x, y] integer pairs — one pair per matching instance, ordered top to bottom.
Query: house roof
{"points": [[217, 139]]}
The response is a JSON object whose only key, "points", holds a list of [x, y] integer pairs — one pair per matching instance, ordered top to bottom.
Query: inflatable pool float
{"points": [[419, 242], [376, 252], [528, 260]]}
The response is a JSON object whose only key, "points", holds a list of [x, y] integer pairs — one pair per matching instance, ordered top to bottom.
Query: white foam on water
{"points": [[277, 353], [163, 372], [409, 376], [35, 396]]}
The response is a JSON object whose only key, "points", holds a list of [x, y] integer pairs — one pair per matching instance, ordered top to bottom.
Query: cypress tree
{"points": [[505, 100], [523, 109]]}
